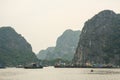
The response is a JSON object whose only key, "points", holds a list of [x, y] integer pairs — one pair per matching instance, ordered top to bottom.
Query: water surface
{"points": [[50, 73]]}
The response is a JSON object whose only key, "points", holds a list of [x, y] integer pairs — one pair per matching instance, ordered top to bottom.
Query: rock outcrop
{"points": [[100, 40], [65, 47], [14, 49], [46, 54]]}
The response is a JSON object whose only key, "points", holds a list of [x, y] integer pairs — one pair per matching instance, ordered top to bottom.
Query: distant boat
{"points": [[19, 66], [33, 66], [71, 66], [91, 70]]}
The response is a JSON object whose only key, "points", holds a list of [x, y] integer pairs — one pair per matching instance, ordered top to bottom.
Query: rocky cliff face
{"points": [[100, 40], [65, 47], [14, 49], [46, 54]]}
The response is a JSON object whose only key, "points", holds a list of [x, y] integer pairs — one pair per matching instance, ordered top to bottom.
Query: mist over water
{"points": [[50, 73]]}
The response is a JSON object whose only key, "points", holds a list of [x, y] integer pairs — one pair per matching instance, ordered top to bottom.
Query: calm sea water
{"points": [[50, 73]]}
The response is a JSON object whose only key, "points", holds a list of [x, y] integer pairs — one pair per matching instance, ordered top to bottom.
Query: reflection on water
{"points": [[50, 73]]}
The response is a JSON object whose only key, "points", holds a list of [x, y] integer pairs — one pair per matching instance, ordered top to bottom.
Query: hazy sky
{"points": [[42, 21]]}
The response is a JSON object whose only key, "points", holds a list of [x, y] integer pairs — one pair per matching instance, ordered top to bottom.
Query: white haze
{"points": [[42, 21]]}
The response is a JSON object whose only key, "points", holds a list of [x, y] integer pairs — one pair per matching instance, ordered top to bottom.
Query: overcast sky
{"points": [[42, 21]]}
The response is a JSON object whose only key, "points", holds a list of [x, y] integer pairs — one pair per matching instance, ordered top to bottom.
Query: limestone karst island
{"points": [[96, 46]]}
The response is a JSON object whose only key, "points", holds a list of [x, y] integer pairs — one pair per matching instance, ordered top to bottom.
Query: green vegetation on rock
{"points": [[100, 40], [65, 47], [14, 49]]}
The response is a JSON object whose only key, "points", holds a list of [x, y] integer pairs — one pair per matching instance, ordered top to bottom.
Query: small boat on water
{"points": [[19, 66], [33, 66], [91, 70]]}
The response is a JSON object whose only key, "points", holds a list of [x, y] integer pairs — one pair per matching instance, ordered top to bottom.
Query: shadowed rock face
{"points": [[100, 40], [65, 47], [14, 49]]}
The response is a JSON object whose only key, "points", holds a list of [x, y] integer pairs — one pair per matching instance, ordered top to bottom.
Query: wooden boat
{"points": [[33, 66]]}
